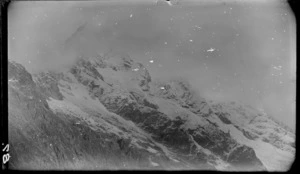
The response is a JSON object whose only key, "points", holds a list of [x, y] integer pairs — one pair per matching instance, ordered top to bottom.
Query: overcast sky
{"points": [[228, 51]]}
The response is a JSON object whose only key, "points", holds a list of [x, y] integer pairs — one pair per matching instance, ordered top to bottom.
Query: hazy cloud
{"points": [[248, 39]]}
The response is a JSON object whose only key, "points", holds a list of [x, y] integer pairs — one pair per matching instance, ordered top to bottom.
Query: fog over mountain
{"points": [[253, 44], [152, 85]]}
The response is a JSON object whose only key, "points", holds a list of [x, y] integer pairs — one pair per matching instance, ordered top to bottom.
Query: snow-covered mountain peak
{"points": [[118, 69], [175, 88], [115, 95]]}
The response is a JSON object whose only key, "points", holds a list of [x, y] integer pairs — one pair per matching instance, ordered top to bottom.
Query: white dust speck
{"points": [[211, 50]]}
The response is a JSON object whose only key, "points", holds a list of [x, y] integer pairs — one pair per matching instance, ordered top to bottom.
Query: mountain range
{"points": [[106, 112]]}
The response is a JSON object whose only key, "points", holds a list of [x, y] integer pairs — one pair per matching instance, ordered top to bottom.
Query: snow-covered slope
{"points": [[158, 124], [273, 145]]}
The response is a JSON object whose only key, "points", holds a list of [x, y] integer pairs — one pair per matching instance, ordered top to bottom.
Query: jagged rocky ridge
{"points": [[107, 113]]}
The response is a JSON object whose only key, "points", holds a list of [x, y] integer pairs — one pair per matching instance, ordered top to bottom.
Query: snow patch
{"points": [[77, 93], [65, 107], [200, 148], [151, 150], [166, 151], [274, 159], [153, 163], [220, 164]]}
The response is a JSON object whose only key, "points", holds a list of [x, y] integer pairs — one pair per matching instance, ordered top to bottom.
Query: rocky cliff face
{"points": [[107, 113], [62, 136]]}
